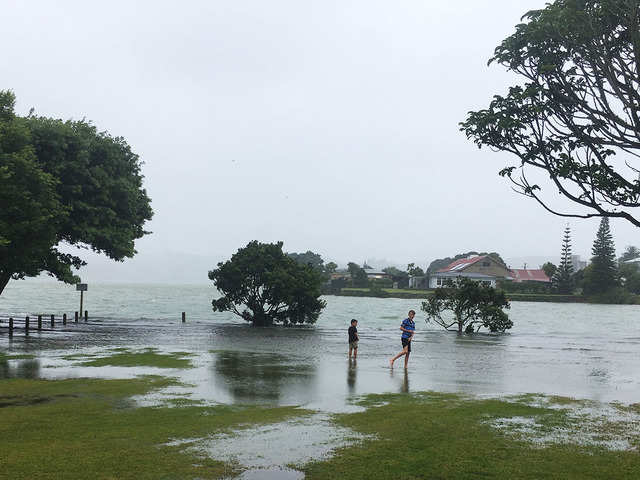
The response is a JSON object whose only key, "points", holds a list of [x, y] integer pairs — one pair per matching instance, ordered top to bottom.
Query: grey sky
{"points": [[330, 125]]}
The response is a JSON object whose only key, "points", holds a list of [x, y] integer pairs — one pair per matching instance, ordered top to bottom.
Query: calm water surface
{"points": [[582, 351]]}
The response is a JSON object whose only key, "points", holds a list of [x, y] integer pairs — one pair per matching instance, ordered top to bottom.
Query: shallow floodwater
{"points": [[576, 350]]}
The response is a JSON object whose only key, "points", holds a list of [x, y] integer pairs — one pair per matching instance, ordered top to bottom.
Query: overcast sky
{"points": [[329, 125]]}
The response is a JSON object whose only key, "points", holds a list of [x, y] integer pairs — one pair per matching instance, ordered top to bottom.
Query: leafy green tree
{"points": [[577, 108], [64, 182], [630, 253], [309, 258], [330, 267], [549, 269], [414, 271], [603, 274], [358, 275], [397, 275], [563, 278], [263, 285], [473, 305]]}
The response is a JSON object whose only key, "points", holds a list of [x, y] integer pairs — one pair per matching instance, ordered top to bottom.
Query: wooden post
{"points": [[81, 297], [86, 316], [76, 317], [184, 317], [64, 318], [53, 320], [39, 322], [26, 325], [11, 326]]}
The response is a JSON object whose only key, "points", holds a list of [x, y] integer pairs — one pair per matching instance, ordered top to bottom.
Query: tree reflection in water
{"points": [[252, 377]]}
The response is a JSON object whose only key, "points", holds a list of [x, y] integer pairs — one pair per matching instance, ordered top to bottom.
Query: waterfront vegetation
{"points": [[512, 297], [90, 428]]}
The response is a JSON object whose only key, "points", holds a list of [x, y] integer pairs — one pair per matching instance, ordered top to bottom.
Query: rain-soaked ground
{"points": [[583, 351]]}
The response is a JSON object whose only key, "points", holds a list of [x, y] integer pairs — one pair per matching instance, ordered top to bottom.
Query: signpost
{"points": [[81, 287]]}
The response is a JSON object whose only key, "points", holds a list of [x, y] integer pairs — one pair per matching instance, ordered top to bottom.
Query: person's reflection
{"points": [[22, 369], [351, 375], [404, 388]]}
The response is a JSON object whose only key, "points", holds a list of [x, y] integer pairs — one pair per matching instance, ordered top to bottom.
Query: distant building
{"points": [[483, 269], [372, 273], [520, 275]]}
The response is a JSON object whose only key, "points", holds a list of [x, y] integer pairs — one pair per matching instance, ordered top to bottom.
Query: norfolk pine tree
{"points": [[602, 274], [563, 278]]}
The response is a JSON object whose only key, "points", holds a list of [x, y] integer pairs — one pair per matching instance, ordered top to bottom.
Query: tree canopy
{"points": [[576, 116], [63, 182], [602, 274], [358, 275], [563, 281], [263, 285], [472, 305]]}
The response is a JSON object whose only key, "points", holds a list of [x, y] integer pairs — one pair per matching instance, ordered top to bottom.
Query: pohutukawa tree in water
{"points": [[575, 118], [263, 285], [471, 306]]}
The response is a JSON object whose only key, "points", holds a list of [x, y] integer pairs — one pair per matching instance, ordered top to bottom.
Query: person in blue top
{"points": [[408, 328]]}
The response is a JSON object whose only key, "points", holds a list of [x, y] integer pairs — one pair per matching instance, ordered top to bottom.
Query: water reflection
{"points": [[20, 368], [352, 374], [251, 377], [405, 383]]}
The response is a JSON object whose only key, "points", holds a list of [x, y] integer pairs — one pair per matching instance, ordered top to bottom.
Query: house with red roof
{"points": [[483, 268], [528, 275]]}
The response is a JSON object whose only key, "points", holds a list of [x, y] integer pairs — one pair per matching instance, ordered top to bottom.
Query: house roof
{"points": [[460, 264], [464, 274], [527, 275]]}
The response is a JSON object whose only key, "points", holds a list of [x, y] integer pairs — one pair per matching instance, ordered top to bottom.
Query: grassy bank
{"points": [[422, 294], [88, 428], [443, 436]]}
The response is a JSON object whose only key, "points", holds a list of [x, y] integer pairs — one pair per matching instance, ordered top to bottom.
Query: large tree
{"points": [[576, 116], [63, 182], [602, 274], [358, 275], [563, 281], [263, 285], [468, 305]]}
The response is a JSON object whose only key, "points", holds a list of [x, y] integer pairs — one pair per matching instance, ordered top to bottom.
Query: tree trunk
{"points": [[4, 279], [459, 325]]}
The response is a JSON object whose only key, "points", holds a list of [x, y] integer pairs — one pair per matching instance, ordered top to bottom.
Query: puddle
{"points": [[587, 423], [299, 441], [270, 474]]}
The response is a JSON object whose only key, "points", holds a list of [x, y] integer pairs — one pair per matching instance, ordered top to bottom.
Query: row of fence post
{"points": [[27, 321], [64, 321]]}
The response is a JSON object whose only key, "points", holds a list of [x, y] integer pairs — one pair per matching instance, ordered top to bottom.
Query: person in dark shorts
{"points": [[408, 328], [353, 338]]}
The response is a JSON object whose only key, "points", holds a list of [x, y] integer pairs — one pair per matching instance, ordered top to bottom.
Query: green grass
{"points": [[20, 356], [146, 358], [88, 428], [443, 436]]}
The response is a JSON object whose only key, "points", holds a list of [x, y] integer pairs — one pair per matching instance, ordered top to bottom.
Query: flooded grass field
{"points": [[570, 368]]}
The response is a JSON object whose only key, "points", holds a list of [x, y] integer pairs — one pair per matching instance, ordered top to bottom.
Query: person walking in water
{"points": [[408, 328], [353, 339]]}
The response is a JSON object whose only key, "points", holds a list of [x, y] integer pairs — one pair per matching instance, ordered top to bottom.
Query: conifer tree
{"points": [[603, 273], [563, 278]]}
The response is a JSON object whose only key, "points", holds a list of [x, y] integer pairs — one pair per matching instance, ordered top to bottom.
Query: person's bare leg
{"points": [[350, 352], [403, 352], [355, 353], [406, 360]]}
